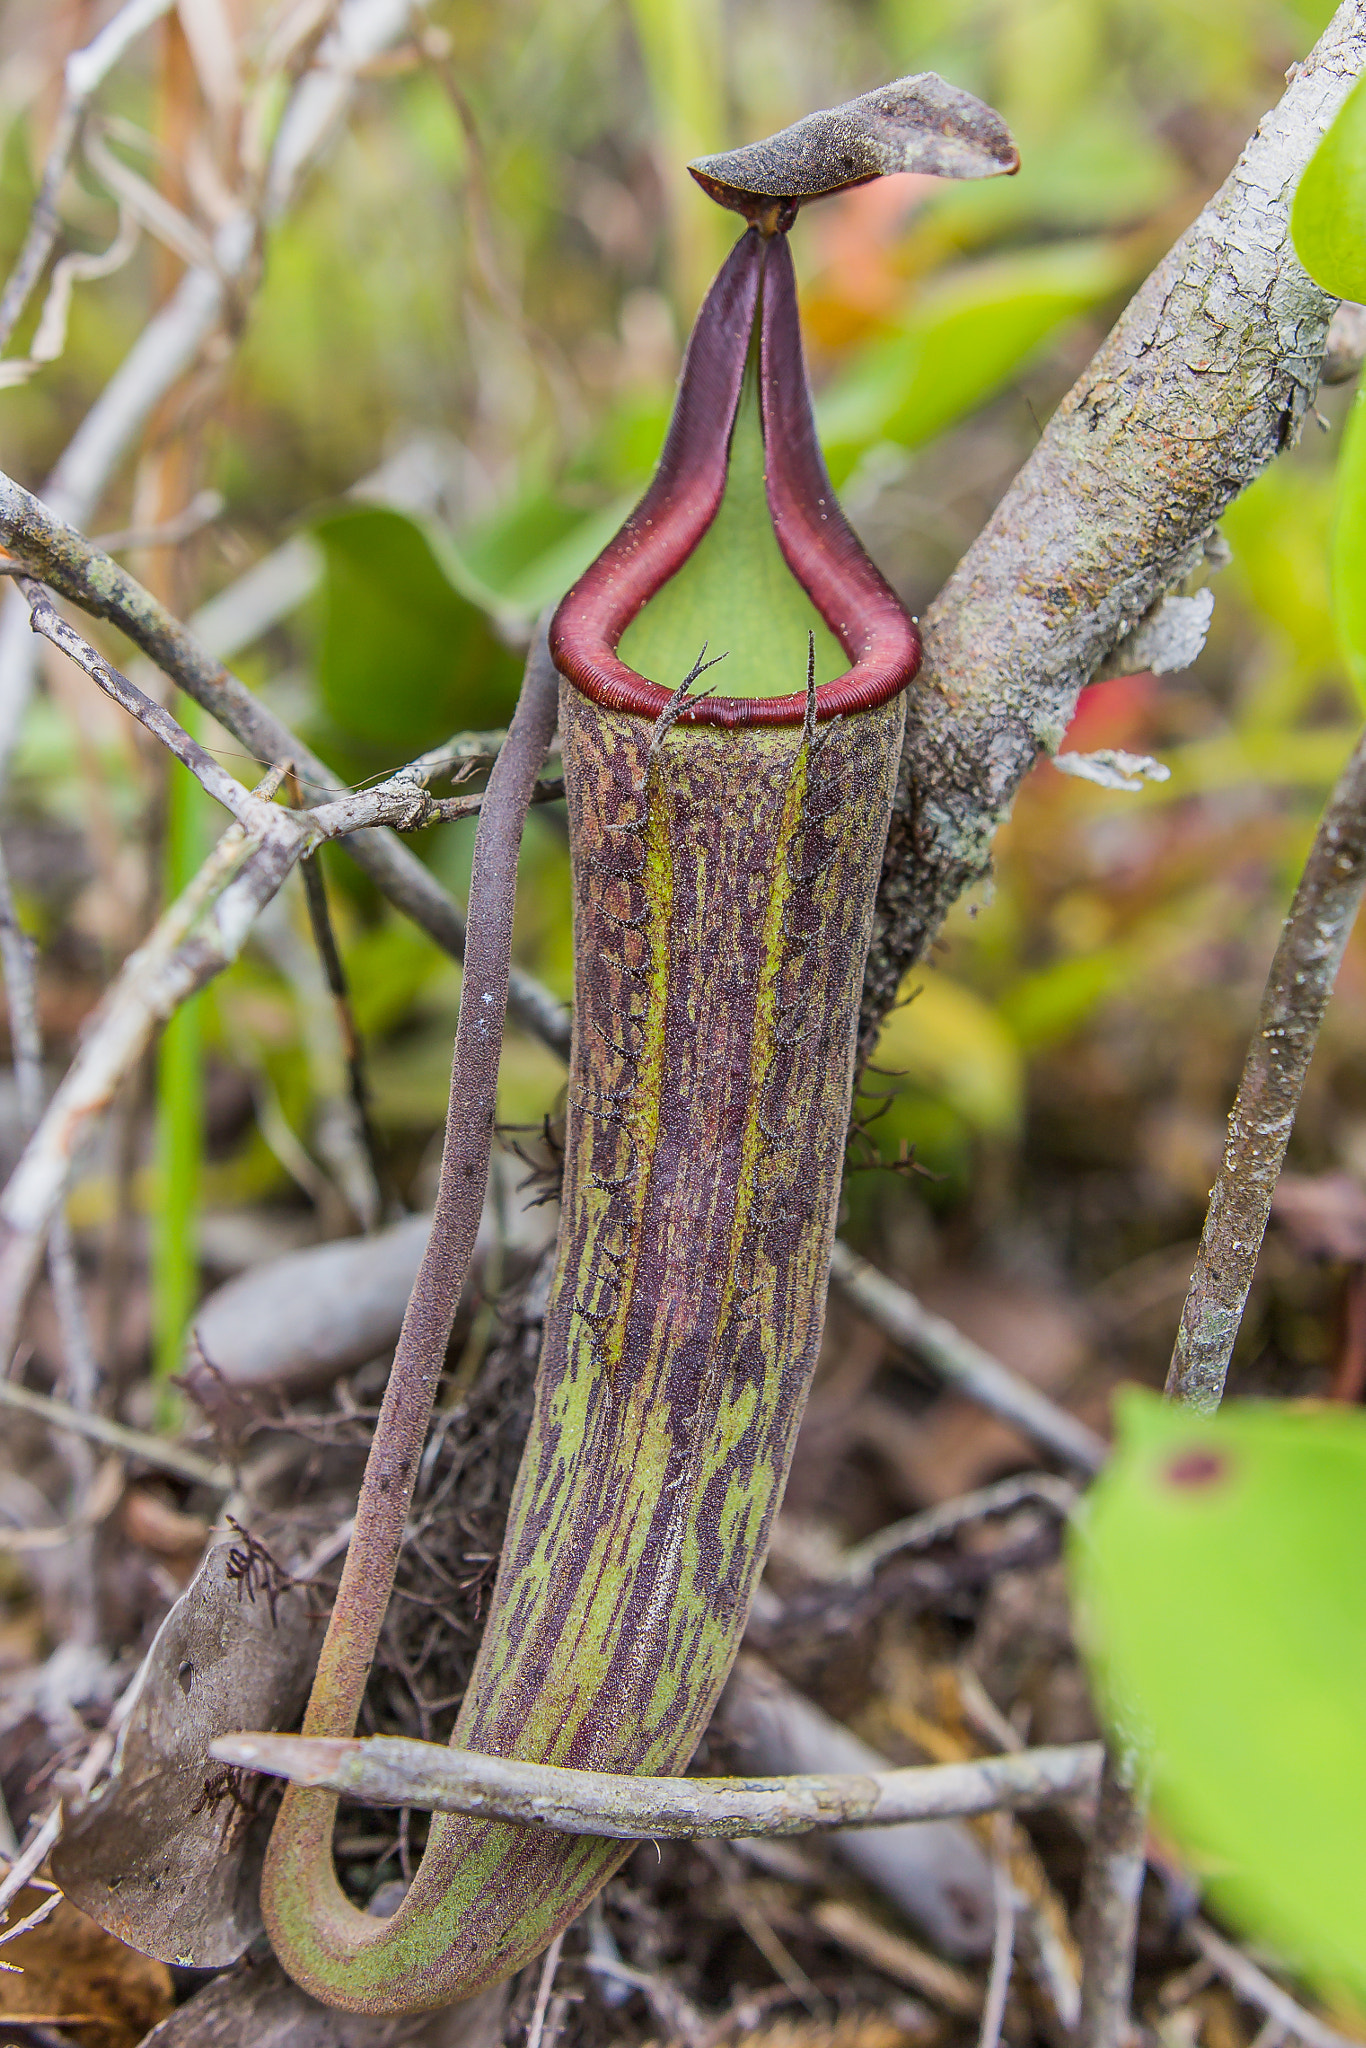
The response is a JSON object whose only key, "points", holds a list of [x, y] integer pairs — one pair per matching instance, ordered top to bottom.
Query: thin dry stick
{"points": [[85, 70], [170, 343], [66, 561], [224, 788], [201, 932], [197, 937], [325, 939], [17, 953], [1298, 989], [963, 1364], [80, 1367], [156, 1451], [396, 1451], [933, 1525], [387, 1770], [83, 1780], [1111, 1888], [33, 1919], [1002, 1946], [543, 1990], [1262, 1991]]}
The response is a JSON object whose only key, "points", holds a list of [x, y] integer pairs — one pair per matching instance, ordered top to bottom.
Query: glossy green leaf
{"points": [[1328, 221], [962, 344], [1349, 544], [527, 556], [736, 593], [406, 656], [1223, 1604]]}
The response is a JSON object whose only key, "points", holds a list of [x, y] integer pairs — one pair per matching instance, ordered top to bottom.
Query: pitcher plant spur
{"points": [[726, 845]]}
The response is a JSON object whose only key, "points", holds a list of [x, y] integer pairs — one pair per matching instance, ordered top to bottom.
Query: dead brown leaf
{"points": [[167, 1856], [72, 1967], [256, 2006]]}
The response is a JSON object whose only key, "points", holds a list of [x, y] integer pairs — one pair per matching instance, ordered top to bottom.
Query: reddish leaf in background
{"points": [[1115, 713]]}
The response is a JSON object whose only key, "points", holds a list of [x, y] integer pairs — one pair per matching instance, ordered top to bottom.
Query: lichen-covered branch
{"points": [[1206, 377], [157, 720], [1303, 974], [390, 1770]]}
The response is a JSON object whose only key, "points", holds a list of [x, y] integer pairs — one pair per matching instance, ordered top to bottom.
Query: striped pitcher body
{"points": [[723, 895]]}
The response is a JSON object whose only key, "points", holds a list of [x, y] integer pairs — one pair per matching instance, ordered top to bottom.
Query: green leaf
{"points": [[1328, 221], [962, 344], [1349, 544], [527, 555], [736, 593], [406, 656], [949, 1044], [1218, 1570]]}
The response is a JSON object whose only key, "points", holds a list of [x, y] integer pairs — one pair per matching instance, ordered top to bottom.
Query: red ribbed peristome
{"points": [[822, 550]]}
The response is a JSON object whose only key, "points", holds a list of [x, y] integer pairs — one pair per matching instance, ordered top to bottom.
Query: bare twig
{"points": [[86, 70], [170, 343], [204, 507], [68, 563], [224, 788], [200, 933], [197, 937], [17, 953], [1301, 981], [1298, 989], [364, 1181], [963, 1364], [80, 1367], [117, 1436], [933, 1525], [388, 1770], [81, 1781], [1111, 1888], [41, 1912], [1002, 1949], [905, 1962], [549, 1966], [1262, 1991]]}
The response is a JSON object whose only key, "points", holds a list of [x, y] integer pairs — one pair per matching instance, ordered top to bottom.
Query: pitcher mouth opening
{"points": [[754, 293]]}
